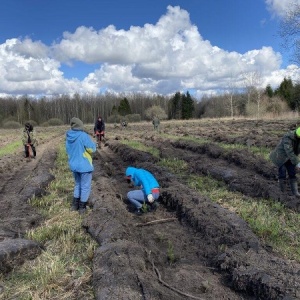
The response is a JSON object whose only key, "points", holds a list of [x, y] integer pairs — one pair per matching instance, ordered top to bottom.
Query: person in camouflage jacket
{"points": [[29, 139], [285, 157]]}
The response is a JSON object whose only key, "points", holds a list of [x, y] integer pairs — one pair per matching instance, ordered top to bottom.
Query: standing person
{"points": [[156, 123], [123, 124], [99, 129], [29, 139], [79, 147], [285, 157], [149, 191]]}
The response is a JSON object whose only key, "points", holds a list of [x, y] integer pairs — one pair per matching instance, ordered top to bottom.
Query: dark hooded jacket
{"points": [[99, 126], [287, 149]]}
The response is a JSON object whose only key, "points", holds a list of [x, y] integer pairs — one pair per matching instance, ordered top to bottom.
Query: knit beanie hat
{"points": [[76, 124]]}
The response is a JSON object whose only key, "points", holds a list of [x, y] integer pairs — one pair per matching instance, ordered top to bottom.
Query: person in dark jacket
{"points": [[99, 130], [29, 139], [79, 147], [285, 157], [149, 188]]}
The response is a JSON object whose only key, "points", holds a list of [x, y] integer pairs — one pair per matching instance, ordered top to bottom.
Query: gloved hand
{"points": [[150, 198]]}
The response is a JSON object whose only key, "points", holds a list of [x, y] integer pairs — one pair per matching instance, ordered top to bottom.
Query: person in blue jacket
{"points": [[80, 147], [149, 188]]}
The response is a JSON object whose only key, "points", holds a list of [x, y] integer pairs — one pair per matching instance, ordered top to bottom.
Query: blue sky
{"points": [[86, 46]]}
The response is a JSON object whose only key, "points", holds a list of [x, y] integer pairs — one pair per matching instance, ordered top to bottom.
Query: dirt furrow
{"points": [[27, 179], [205, 235], [161, 260]]}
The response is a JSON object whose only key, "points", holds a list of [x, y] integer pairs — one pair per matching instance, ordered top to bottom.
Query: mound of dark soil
{"points": [[189, 247]]}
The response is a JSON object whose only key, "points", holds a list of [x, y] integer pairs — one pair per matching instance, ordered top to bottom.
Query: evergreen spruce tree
{"points": [[269, 91], [285, 91], [175, 106], [124, 107], [187, 107]]}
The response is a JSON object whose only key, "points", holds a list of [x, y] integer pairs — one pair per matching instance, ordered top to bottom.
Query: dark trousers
{"points": [[27, 150], [289, 168]]}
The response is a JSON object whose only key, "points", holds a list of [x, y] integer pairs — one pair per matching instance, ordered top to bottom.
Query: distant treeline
{"points": [[251, 102]]}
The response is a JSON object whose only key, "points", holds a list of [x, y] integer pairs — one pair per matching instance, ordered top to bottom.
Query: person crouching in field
{"points": [[29, 140], [80, 147], [285, 157], [149, 188]]}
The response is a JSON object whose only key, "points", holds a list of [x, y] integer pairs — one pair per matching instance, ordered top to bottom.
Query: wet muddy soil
{"points": [[189, 247]]}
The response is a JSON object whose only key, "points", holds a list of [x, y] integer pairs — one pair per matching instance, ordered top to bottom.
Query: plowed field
{"points": [[190, 247]]}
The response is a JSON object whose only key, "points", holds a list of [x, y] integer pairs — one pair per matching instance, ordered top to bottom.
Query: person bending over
{"points": [[149, 188]]}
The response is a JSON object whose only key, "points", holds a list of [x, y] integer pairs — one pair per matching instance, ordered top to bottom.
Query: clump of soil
{"points": [[189, 247]]}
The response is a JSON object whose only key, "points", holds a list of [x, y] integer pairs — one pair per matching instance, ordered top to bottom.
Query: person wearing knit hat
{"points": [[76, 124], [99, 130], [80, 147], [285, 157]]}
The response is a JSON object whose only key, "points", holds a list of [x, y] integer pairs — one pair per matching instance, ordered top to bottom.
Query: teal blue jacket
{"points": [[79, 147], [144, 178]]}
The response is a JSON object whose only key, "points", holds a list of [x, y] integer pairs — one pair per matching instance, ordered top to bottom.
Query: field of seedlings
{"points": [[222, 230]]}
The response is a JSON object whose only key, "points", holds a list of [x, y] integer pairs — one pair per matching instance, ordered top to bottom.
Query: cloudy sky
{"points": [[163, 46]]}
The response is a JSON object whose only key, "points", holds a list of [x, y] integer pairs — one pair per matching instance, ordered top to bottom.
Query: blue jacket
{"points": [[79, 147], [144, 178]]}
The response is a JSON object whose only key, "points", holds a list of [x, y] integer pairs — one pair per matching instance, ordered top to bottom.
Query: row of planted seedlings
{"points": [[275, 225], [64, 269]]}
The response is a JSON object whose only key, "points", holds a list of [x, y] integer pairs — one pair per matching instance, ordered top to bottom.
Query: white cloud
{"points": [[280, 7], [170, 53], [165, 57], [26, 69]]}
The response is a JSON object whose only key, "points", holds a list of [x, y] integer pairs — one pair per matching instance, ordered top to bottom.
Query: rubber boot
{"points": [[282, 185], [294, 187], [75, 204], [82, 207]]}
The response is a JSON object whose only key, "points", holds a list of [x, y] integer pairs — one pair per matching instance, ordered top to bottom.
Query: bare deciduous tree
{"points": [[290, 31], [230, 96]]}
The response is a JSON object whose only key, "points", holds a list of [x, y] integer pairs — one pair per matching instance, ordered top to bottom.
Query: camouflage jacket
{"points": [[155, 121], [29, 137], [287, 149]]}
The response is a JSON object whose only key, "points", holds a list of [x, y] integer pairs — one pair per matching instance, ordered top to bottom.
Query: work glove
{"points": [[150, 198]]}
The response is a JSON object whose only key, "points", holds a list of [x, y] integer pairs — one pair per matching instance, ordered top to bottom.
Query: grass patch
{"points": [[188, 138], [139, 146], [10, 148], [259, 151], [175, 165], [274, 224], [170, 253], [64, 269]]}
